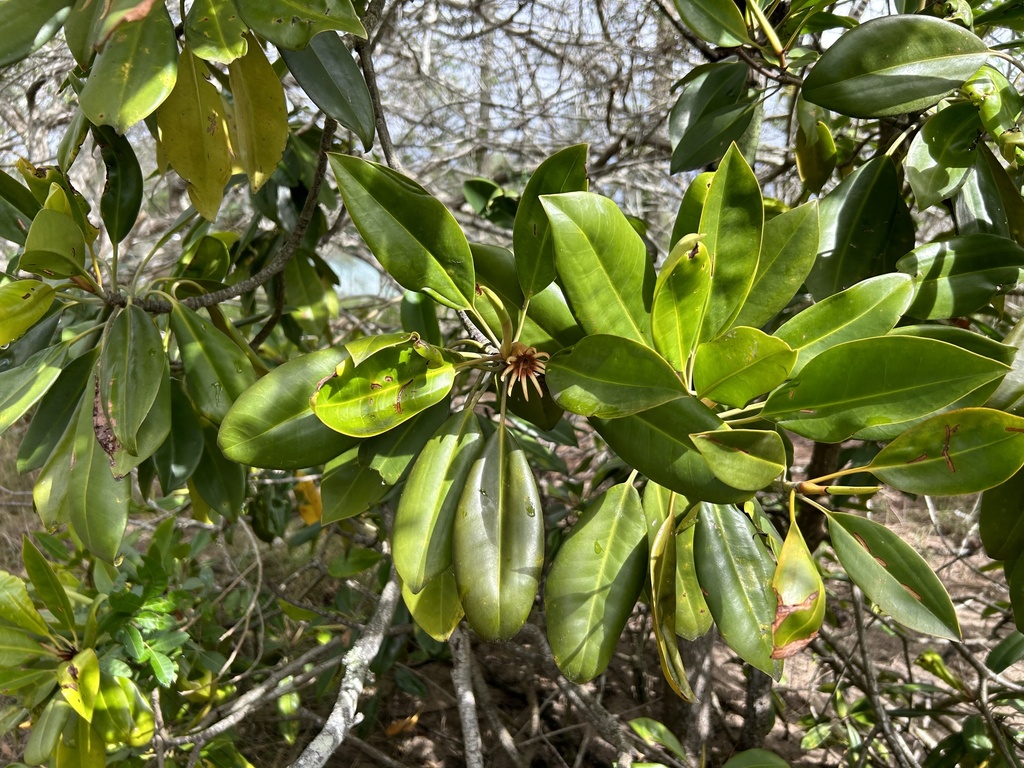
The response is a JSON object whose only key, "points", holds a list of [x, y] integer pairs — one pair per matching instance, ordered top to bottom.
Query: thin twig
{"points": [[462, 679], [344, 715]]}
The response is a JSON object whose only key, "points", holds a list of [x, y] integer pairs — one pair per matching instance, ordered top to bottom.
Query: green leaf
{"points": [[717, 21], [293, 23], [25, 30], [214, 31], [894, 65], [133, 73], [328, 74], [713, 110], [260, 116], [193, 134], [942, 153], [816, 154], [564, 171], [122, 192], [989, 200], [690, 207], [732, 224], [865, 227], [411, 233], [54, 246], [788, 252], [603, 265], [958, 276], [680, 301], [22, 304], [869, 308], [419, 315], [549, 325], [740, 365], [216, 370], [130, 371], [609, 377], [876, 381], [22, 387], [383, 391], [271, 424], [154, 429], [657, 443], [964, 451], [392, 453], [179, 455], [747, 459], [221, 483], [51, 484], [349, 487], [96, 502], [1001, 519], [421, 538], [498, 539], [735, 571], [893, 575], [595, 581], [46, 584], [800, 593], [663, 604], [16, 606], [436, 607], [693, 617], [16, 647], [1007, 652], [164, 670], [79, 681], [112, 714], [46, 731], [654, 732]]}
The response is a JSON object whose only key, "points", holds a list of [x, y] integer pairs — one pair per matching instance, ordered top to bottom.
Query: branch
{"points": [[276, 265], [357, 672], [462, 678]]}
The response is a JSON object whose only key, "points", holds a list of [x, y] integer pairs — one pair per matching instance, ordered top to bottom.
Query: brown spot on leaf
{"points": [[103, 428]]}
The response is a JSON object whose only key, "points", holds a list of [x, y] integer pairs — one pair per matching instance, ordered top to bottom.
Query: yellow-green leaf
{"points": [[261, 117]]}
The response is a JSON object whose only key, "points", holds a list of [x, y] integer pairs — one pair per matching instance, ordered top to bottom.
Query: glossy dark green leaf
{"points": [[719, 22], [292, 24], [25, 30], [214, 31], [894, 65], [133, 73], [330, 77], [713, 110], [943, 153], [816, 155], [564, 171], [122, 193], [989, 200], [690, 207], [732, 224], [865, 227], [411, 233], [788, 252], [603, 265], [961, 275], [310, 297], [680, 301], [869, 308], [419, 315], [549, 325], [131, 364], [740, 365], [217, 371], [609, 376], [876, 381], [22, 387], [383, 391], [271, 424], [153, 431], [657, 443], [962, 451], [392, 453], [179, 455], [747, 459], [219, 481], [51, 485], [349, 487], [96, 502], [1001, 519], [422, 533], [498, 539], [735, 571], [893, 575], [595, 581], [46, 584], [436, 607], [693, 617], [1007, 652]]}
